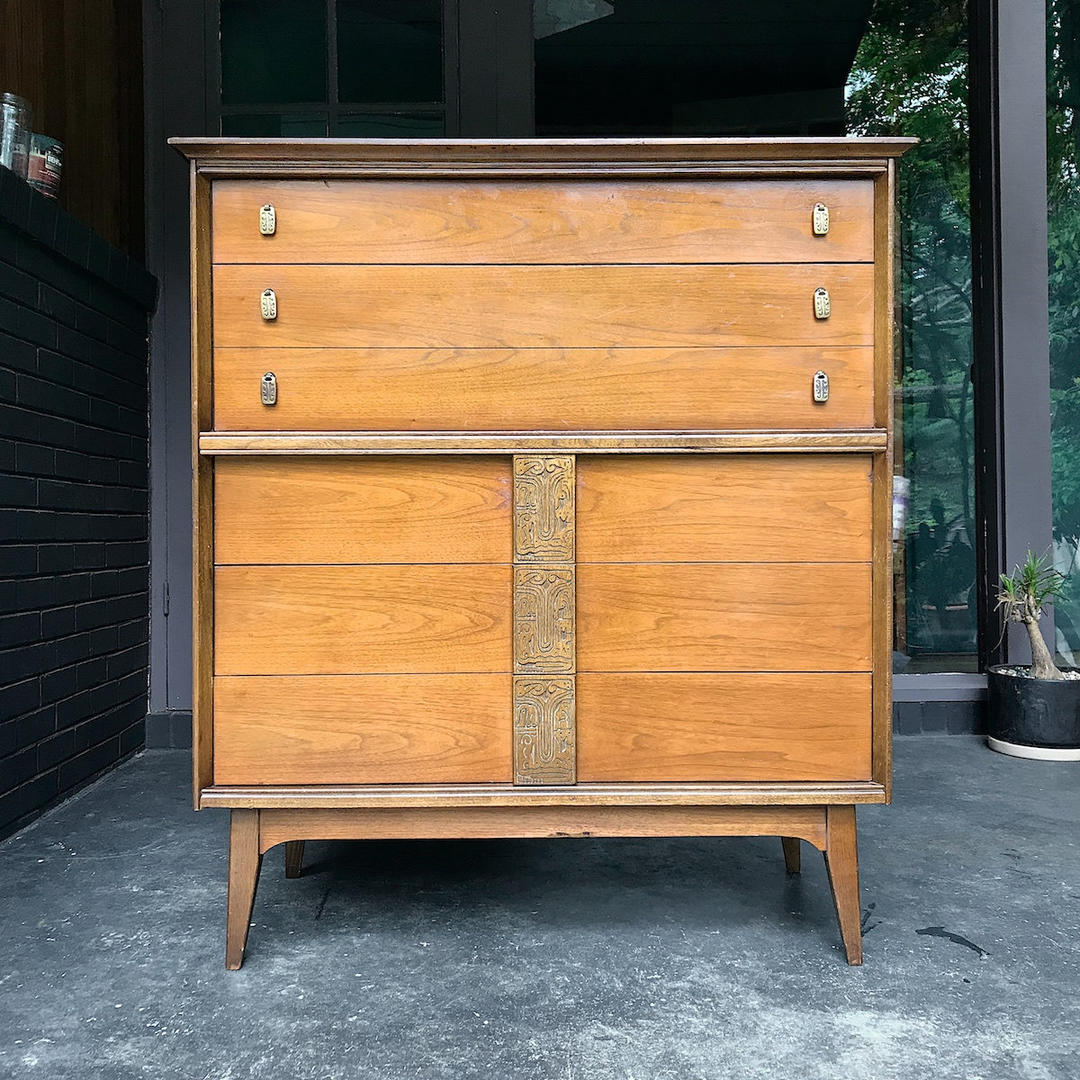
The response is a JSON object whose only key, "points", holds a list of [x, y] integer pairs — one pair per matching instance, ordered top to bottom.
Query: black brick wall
{"points": [[74, 544], [939, 717]]}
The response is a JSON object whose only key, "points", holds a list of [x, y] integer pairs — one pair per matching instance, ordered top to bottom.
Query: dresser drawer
{"points": [[385, 221], [565, 307], [543, 389], [724, 508], [363, 510], [723, 617], [330, 620], [689, 726], [362, 729]]}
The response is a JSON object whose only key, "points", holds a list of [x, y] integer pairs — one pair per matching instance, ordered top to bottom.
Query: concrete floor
{"points": [[572, 959]]}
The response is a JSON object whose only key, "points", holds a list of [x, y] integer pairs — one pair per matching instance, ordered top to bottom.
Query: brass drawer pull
{"points": [[821, 219], [268, 220], [268, 305], [822, 305], [821, 387], [268, 388]]}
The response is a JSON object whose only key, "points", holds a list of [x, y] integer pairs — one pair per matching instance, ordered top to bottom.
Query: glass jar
{"points": [[15, 130]]}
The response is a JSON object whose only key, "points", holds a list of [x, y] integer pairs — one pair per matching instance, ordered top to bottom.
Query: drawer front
{"points": [[379, 221], [514, 307], [543, 389], [741, 508], [363, 510], [723, 617], [329, 620], [664, 726], [362, 729]]}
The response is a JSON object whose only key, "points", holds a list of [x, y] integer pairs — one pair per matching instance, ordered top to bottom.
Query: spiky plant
{"points": [[1021, 597]]}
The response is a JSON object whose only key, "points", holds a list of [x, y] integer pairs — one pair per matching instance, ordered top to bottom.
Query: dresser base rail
{"points": [[636, 794], [253, 832]]}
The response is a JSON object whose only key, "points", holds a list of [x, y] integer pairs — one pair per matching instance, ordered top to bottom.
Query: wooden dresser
{"points": [[542, 489]]}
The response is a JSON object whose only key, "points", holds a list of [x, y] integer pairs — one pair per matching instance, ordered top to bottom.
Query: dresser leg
{"points": [[792, 854], [294, 858], [842, 862], [244, 864]]}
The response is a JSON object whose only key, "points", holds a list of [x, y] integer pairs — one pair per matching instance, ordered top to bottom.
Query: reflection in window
{"points": [[389, 50], [272, 51], [693, 67], [891, 67], [361, 68], [911, 78], [275, 125], [390, 126], [1063, 195]]}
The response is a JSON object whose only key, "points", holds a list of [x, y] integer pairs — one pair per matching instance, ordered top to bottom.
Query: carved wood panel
{"points": [[543, 508], [544, 619], [544, 735]]}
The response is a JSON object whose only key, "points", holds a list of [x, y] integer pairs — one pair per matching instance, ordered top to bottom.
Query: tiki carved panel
{"points": [[543, 508], [544, 616], [543, 619], [544, 730]]}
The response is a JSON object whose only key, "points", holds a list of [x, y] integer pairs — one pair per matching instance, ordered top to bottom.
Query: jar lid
{"points": [[18, 102]]}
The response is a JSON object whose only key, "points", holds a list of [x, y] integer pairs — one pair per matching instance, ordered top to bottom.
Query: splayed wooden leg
{"points": [[792, 854], [294, 858], [842, 862], [244, 864]]}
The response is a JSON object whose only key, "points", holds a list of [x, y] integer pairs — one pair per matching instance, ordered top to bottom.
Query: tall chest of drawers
{"points": [[542, 489]]}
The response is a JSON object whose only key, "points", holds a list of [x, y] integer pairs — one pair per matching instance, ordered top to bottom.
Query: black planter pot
{"points": [[1036, 718]]}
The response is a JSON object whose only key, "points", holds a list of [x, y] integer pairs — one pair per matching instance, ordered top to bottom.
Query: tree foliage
{"points": [[910, 77], [1063, 197]]}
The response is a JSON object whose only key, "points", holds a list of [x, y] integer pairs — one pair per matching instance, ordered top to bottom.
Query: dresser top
{"points": [[553, 155]]}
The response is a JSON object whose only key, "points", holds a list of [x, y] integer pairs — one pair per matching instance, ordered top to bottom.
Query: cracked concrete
{"points": [[572, 959]]}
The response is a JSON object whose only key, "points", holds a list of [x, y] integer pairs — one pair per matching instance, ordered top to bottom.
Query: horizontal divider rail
{"points": [[866, 440], [495, 795]]}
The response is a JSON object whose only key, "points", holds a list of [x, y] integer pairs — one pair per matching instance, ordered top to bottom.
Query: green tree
{"points": [[910, 77], [1063, 199]]}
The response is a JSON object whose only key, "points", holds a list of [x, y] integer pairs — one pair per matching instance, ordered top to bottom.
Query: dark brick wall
{"points": [[74, 574], [939, 717], [170, 730]]}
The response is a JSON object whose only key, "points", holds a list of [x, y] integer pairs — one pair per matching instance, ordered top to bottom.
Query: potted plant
{"points": [[1034, 711]]}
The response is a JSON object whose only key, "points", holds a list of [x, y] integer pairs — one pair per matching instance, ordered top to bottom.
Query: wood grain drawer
{"points": [[375, 221], [513, 307], [542, 389], [724, 508], [363, 510], [723, 617], [329, 620], [690, 726], [362, 729]]}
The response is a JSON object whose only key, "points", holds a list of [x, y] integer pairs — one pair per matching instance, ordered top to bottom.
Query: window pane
{"points": [[389, 50], [272, 51], [690, 67], [893, 67], [911, 78], [275, 125], [390, 126], [1063, 191]]}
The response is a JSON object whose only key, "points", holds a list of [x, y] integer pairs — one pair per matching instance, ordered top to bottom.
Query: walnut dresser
{"points": [[542, 489]]}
